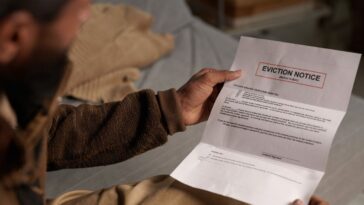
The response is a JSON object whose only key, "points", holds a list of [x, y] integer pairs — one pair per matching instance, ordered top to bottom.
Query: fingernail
{"points": [[237, 73], [298, 202]]}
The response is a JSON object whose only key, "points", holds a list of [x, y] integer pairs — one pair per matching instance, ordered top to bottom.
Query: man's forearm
{"points": [[91, 135]]}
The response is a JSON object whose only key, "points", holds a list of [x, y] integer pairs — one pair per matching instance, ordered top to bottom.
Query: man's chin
{"points": [[35, 85]]}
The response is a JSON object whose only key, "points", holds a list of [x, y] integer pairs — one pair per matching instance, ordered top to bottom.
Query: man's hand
{"points": [[198, 95], [314, 201]]}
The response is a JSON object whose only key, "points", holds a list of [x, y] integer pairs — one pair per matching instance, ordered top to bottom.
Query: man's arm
{"points": [[90, 135], [97, 135]]}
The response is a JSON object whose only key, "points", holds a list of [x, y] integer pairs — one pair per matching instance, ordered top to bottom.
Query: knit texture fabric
{"points": [[115, 38], [110, 87], [91, 135]]}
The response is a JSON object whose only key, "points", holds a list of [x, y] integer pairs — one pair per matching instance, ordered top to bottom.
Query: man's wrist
{"points": [[171, 111]]}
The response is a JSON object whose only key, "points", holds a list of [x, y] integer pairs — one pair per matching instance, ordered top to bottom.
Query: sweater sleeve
{"points": [[90, 135]]}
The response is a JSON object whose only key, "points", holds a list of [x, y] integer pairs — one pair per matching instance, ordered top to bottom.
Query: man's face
{"points": [[60, 33], [40, 47]]}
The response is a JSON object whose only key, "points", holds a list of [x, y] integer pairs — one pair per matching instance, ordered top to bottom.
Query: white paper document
{"points": [[269, 134]]}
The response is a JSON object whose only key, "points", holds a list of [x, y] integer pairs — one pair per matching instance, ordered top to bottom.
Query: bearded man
{"points": [[37, 134]]}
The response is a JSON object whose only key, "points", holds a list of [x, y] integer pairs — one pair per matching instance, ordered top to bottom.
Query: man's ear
{"points": [[18, 34]]}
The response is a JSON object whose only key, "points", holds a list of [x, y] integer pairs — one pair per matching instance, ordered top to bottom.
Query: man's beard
{"points": [[32, 85]]}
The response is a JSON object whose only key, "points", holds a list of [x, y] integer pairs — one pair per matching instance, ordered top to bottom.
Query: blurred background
{"points": [[336, 24], [129, 45]]}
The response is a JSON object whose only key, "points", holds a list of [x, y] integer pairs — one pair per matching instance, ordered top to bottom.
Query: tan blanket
{"points": [[116, 39]]}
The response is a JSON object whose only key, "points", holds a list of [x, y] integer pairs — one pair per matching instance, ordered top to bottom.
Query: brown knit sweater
{"points": [[91, 135], [81, 136]]}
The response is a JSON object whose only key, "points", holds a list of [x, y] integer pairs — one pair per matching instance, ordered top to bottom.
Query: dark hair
{"points": [[42, 10]]}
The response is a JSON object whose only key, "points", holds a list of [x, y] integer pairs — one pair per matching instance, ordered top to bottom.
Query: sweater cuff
{"points": [[171, 111]]}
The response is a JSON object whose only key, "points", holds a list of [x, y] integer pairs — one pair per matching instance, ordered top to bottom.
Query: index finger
{"points": [[317, 201]]}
